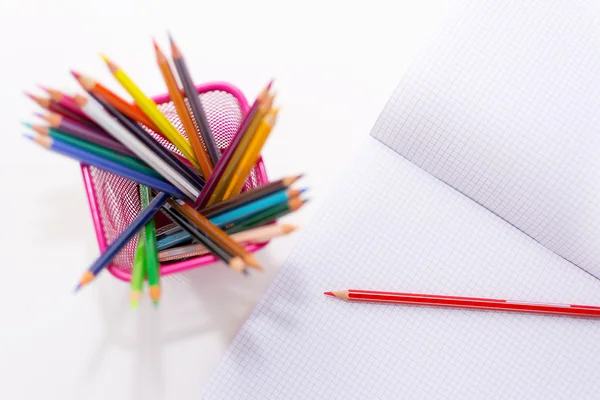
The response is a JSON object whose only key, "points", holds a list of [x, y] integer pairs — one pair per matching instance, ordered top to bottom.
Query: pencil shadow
{"points": [[211, 299], [147, 332]]}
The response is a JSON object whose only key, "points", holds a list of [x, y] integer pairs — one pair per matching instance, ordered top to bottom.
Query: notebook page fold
{"points": [[504, 106]]}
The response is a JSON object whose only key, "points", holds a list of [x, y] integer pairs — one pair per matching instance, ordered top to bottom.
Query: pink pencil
{"points": [[65, 101]]}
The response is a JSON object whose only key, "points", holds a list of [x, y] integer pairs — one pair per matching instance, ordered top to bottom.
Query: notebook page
{"points": [[504, 106], [391, 226]]}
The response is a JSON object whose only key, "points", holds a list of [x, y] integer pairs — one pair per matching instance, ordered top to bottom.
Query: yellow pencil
{"points": [[149, 107], [263, 108], [250, 157]]}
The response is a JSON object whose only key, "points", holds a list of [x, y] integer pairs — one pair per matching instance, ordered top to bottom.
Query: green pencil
{"points": [[98, 150], [152, 265], [139, 272]]}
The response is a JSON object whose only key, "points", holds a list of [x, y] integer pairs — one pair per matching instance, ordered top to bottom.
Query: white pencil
{"points": [[95, 111], [256, 235]]}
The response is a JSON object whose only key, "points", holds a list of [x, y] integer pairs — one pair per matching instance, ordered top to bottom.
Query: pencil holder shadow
{"points": [[114, 201]]}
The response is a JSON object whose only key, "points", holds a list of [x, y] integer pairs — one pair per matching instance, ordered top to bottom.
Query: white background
{"points": [[335, 65]]}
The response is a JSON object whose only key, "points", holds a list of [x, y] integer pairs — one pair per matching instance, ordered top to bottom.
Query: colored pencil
{"points": [[65, 101], [195, 103], [50, 105], [124, 107], [149, 107], [92, 108], [184, 116], [73, 128], [239, 151], [251, 155], [88, 158], [129, 162], [186, 171], [215, 177], [251, 195], [248, 210], [267, 216], [222, 218], [166, 230], [215, 233], [257, 235], [174, 239], [105, 258], [235, 262], [152, 265], [138, 272], [478, 303]]}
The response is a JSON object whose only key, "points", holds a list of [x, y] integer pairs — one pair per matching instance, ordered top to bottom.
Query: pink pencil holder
{"points": [[114, 201]]}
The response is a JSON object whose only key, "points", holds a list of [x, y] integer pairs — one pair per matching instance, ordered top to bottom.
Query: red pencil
{"points": [[369, 296]]}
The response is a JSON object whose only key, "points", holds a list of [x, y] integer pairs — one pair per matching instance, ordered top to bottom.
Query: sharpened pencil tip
{"points": [[175, 53], [105, 58], [75, 74], [270, 84], [44, 88], [26, 124], [29, 136], [303, 190], [287, 228], [77, 288], [154, 294], [329, 294], [134, 298], [155, 302]]}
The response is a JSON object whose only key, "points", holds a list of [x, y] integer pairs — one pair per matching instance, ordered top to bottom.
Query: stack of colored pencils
{"points": [[202, 192]]}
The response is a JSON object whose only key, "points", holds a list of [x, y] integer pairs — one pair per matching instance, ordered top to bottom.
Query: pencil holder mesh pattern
{"points": [[114, 201]]}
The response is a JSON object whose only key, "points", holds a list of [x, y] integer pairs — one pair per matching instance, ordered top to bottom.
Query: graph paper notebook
{"points": [[480, 178]]}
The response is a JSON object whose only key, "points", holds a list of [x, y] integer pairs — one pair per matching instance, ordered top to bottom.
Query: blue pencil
{"points": [[107, 165], [251, 208], [138, 223], [173, 239]]}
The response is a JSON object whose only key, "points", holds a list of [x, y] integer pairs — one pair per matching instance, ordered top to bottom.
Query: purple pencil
{"points": [[101, 138], [212, 182]]}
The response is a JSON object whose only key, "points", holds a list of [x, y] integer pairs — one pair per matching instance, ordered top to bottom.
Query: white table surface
{"points": [[335, 64]]}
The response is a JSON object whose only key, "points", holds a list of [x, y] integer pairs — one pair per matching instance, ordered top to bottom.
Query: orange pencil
{"points": [[182, 110], [251, 155], [225, 179], [215, 233]]}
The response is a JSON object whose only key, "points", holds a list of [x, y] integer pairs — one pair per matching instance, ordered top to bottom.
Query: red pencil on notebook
{"points": [[369, 296]]}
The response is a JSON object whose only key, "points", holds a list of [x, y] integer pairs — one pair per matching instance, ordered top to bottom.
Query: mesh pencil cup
{"points": [[114, 201]]}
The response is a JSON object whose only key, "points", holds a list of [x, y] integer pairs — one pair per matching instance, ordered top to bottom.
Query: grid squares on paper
{"points": [[503, 106], [391, 226]]}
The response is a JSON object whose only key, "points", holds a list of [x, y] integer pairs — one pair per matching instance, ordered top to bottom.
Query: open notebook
{"points": [[480, 178]]}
